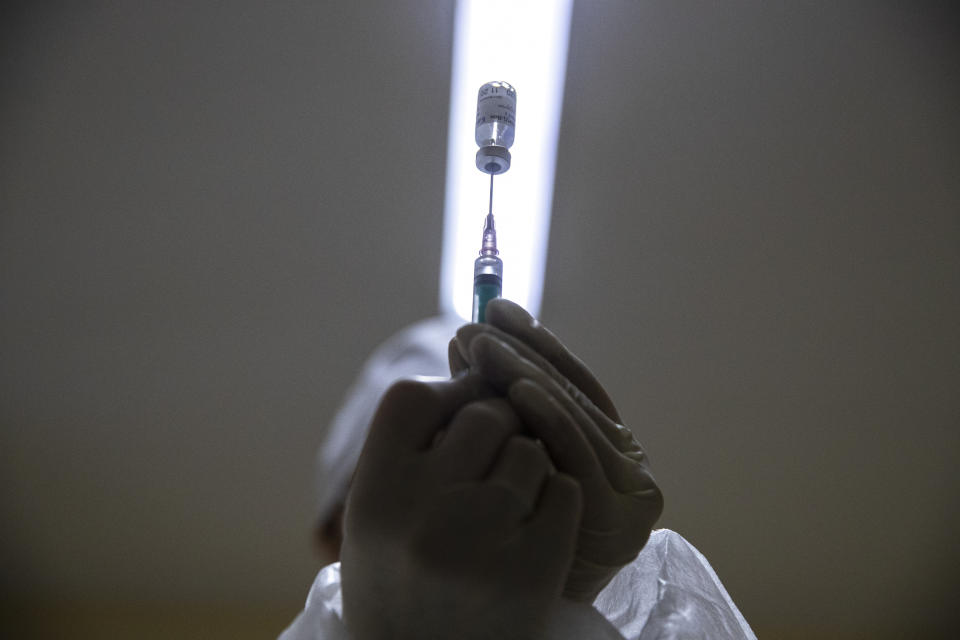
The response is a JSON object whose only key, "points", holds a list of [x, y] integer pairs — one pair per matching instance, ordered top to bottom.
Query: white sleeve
{"points": [[671, 591], [321, 617], [578, 621], [315, 623]]}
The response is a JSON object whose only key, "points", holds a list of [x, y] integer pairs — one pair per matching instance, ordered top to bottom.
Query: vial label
{"points": [[496, 114]]}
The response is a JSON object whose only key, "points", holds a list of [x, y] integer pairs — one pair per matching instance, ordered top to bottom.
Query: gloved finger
{"points": [[514, 320], [455, 359], [546, 359], [501, 365], [412, 411], [552, 424], [475, 435], [618, 435], [520, 469], [557, 517], [586, 579]]}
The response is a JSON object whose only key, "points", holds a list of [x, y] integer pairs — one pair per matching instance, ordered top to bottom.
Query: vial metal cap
{"points": [[493, 159]]}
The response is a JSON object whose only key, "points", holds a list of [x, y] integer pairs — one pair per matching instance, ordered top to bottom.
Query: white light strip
{"points": [[523, 42]]}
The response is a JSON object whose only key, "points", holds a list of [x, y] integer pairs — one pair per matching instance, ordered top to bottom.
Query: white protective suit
{"points": [[668, 592]]}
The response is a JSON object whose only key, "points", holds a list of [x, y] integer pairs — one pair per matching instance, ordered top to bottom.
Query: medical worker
{"points": [[505, 502]]}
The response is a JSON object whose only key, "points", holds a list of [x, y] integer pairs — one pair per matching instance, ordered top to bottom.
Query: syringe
{"points": [[496, 119]]}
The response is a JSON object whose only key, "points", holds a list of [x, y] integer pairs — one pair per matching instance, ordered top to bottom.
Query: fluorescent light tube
{"points": [[522, 42]]}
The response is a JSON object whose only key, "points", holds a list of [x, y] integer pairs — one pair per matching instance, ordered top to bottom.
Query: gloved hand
{"points": [[563, 404], [455, 525]]}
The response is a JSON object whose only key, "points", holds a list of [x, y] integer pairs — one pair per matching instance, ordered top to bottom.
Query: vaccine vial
{"points": [[495, 126]]}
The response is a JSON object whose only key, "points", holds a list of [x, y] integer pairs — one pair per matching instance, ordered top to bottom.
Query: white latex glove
{"points": [[562, 403], [455, 526]]}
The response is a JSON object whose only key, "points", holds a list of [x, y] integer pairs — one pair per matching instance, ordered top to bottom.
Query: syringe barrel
{"points": [[487, 284]]}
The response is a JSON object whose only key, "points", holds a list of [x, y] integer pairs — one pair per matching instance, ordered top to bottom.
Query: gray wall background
{"points": [[210, 214]]}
